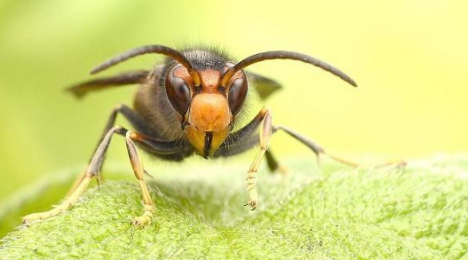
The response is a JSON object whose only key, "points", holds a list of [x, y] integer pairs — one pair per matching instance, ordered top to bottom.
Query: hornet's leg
{"points": [[133, 118], [265, 134], [246, 138], [152, 145], [316, 148], [91, 171], [139, 172]]}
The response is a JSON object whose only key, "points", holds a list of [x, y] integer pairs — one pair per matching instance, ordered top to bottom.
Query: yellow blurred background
{"points": [[409, 58]]}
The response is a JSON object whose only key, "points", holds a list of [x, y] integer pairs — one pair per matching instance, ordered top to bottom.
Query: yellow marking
{"points": [[227, 76], [196, 77]]}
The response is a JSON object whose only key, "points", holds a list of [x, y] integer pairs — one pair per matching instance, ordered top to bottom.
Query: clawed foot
{"points": [[252, 203], [146, 218], [27, 219], [141, 221]]}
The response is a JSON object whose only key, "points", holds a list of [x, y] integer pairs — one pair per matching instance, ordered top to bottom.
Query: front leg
{"points": [[265, 134], [149, 144], [137, 166]]}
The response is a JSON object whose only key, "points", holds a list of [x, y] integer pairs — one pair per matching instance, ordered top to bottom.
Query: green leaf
{"points": [[419, 212]]}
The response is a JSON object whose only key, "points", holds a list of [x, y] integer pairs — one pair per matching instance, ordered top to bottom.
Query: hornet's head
{"points": [[208, 99], [206, 108]]}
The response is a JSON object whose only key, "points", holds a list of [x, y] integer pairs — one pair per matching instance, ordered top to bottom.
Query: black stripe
{"points": [[208, 140]]}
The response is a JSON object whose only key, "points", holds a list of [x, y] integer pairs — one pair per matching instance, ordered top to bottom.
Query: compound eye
{"points": [[179, 94], [237, 94]]}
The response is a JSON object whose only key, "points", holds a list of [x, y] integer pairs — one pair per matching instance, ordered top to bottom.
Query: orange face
{"points": [[206, 111]]}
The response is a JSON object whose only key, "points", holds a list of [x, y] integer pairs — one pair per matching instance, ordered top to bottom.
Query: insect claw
{"points": [[98, 181], [252, 204], [141, 221], [25, 222]]}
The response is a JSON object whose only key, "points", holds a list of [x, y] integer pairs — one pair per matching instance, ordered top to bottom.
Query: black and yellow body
{"points": [[189, 104]]}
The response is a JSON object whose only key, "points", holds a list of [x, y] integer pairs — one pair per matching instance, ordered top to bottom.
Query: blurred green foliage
{"points": [[413, 213]]}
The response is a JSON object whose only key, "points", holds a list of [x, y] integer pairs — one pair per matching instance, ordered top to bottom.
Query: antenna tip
{"points": [[95, 70], [350, 81]]}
